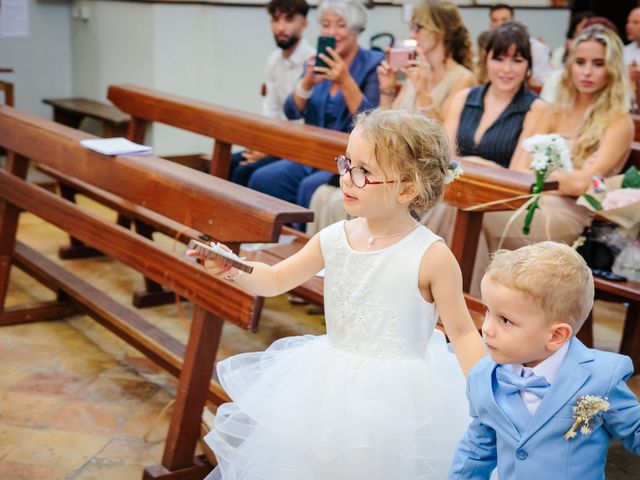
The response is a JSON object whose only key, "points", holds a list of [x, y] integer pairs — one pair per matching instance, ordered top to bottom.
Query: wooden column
{"points": [[9, 216]]}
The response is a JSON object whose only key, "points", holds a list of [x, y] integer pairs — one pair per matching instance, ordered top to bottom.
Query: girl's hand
{"points": [[337, 70], [387, 77], [214, 267]]}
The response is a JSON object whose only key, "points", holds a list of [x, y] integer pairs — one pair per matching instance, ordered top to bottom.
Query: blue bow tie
{"points": [[510, 382]]}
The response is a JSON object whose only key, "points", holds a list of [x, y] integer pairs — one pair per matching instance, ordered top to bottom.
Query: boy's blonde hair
{"points": [[409, 147], [553, 275]]}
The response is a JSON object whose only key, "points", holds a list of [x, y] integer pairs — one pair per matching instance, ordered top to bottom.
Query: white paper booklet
{"points": [[115, 146]]}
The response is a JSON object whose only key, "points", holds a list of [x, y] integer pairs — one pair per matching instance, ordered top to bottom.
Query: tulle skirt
{"points": [[304, 409]]}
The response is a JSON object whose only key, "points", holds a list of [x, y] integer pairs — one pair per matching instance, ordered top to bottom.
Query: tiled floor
{"points": [[77, 403]]}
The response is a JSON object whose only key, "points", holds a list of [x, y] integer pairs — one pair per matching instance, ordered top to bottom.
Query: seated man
{"points": [[283, 69]]}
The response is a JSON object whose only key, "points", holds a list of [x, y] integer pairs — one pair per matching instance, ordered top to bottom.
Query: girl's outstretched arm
{"points": [[441, 277], [271, 280]]}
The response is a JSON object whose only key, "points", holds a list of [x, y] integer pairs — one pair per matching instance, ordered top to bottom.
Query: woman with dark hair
{"points": [[444, 65], [488, 122]]}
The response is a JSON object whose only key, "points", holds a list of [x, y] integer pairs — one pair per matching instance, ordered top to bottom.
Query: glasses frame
{"points": [[349, 169]]}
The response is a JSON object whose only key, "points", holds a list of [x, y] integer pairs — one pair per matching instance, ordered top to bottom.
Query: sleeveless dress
{"points": [[440, 92], [378, 397]]}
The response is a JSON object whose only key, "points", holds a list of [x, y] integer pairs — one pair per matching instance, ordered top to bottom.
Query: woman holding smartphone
{"points": [[444, 65], [326, 96]]}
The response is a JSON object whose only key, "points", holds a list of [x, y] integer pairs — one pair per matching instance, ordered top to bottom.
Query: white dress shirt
{"points": [[631, 53], [540, 58], [281, 75], [547, 369]]}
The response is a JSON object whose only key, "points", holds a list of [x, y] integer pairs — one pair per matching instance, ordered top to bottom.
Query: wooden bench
{"points": [[7, 88], [71, 112], [312, 146], [479, 184], [186, 197]]}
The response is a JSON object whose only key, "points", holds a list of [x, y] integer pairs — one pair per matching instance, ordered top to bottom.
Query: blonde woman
{"points": [[444, 65], [592, 112]]}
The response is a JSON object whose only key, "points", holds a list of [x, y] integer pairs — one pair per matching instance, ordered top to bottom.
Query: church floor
{"points": [[77, 403]]}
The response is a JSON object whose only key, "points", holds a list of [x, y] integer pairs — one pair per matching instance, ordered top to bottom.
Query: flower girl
{"points": [[379, 396]]}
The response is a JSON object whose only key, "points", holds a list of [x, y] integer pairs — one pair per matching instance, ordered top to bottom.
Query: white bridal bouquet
{"points": [[548, 153]]}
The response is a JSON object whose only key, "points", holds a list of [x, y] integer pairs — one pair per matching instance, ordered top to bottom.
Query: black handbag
{"points": [[598, 255]]}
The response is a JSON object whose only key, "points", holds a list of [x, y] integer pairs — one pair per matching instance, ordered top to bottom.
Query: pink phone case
{"points": [[399, 58]]}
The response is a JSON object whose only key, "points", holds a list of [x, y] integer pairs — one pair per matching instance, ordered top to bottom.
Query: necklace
{"points": [[373, 238]]}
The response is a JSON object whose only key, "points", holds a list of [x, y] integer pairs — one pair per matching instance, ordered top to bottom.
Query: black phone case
{"points": [[323, 43]]}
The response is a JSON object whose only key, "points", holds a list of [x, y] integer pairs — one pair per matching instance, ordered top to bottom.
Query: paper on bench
{"points": [[115, 146]]}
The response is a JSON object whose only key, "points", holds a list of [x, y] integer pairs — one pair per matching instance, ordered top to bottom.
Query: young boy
{"points": [[523, 398]]}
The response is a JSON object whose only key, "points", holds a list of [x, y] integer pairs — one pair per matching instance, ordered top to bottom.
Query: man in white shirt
{"points": [[632, 51], [540, 53], [283, 69]]}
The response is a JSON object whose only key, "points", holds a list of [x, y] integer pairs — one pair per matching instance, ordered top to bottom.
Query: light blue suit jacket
{"points": [[532, 447]]}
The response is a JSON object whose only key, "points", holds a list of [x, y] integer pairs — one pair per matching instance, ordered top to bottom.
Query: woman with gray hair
{"points": [[327, 97]]}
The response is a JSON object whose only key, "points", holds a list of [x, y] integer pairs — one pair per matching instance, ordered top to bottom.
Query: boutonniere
{"points": [[584, 411]]}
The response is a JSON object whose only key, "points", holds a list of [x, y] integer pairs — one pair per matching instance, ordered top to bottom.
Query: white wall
{"points": [[42, 61]]}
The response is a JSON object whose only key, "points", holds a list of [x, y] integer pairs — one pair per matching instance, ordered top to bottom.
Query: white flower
{"points": [[548, 153], [454, 171], [586, 408]]}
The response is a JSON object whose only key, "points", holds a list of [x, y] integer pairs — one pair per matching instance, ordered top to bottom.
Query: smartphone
{"points": [[323, 43], [399, 58], [215, 252]]}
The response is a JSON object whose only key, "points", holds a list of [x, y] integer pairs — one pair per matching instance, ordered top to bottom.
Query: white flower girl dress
{"points": [[378, 397]]}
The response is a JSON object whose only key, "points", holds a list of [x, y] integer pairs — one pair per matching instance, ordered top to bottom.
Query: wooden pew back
{"points": [[312, 146], [183, 196]]}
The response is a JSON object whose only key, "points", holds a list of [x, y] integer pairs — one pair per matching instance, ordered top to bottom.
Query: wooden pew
{"points": [[71, 112], [312, 146], [478, 185], [186, 197], [624, 292]]}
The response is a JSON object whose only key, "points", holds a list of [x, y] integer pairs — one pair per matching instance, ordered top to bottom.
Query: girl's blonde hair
{"points": [[440, 16], [613, 101], [409, 147]]}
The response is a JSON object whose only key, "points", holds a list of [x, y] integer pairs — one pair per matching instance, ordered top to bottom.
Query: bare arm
{"points": [[463, 83], [452, 117], [531, 121], [545, 123], [612, 152], [440, 275], [271, 280]]}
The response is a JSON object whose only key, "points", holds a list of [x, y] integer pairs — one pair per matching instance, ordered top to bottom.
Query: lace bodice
{"points": [[373, 305]]}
